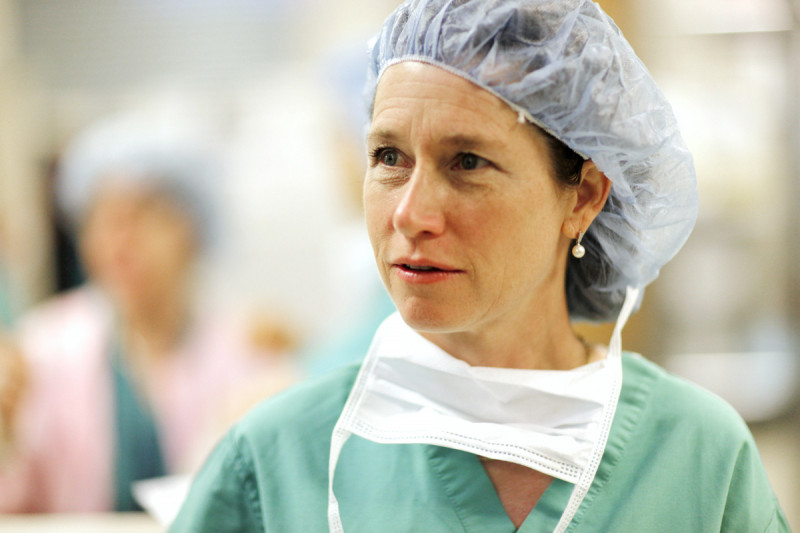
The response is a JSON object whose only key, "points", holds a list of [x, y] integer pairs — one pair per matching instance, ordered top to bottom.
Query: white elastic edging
{"points": [[614, 358]]}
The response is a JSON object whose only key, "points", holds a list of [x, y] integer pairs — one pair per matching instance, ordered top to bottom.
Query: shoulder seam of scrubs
{"points": [[245, 472], [777, 520]]}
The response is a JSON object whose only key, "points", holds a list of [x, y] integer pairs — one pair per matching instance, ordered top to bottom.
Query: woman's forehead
{"points": [[418, 79], [415, 91], [423, 102]]}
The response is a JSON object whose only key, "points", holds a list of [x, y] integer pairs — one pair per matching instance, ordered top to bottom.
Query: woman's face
{"points": [[465, 218], [137, 244]]}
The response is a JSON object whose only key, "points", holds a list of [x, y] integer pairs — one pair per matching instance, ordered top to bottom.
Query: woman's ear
{"points": [[590, 197]]}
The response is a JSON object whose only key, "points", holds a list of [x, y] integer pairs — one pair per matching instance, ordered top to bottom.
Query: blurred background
{"points": [[275, 86]]}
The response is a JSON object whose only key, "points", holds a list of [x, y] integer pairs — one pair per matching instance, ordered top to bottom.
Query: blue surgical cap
{"points": [[565, 66], [130, 151]]}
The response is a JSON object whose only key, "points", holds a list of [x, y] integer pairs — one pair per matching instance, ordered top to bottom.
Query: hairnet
{"points": [[565, 66], [129, 151]]}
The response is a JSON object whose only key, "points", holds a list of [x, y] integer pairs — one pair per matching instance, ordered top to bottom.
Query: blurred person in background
{"points": [[128, 376]]}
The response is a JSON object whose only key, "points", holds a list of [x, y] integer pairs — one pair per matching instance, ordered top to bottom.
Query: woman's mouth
{"points": [[421, 268], [422, 273]]}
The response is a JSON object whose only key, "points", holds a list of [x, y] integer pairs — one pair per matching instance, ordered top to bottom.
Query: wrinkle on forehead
{"points": [[431, 93], [423, 104]]}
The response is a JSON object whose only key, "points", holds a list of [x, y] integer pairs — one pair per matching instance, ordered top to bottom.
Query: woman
{"points": [[524, 171], [128, 377]]}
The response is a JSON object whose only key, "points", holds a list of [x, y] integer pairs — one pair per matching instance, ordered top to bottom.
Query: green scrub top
{"points": [[137, 448], [677, 459]]}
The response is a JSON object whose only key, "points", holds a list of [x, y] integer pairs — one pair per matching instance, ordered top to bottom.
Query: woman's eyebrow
{"points": [[381, 135]]}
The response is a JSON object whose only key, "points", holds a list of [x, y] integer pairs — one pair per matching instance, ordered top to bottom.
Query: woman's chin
{"points": [[428, 320]]}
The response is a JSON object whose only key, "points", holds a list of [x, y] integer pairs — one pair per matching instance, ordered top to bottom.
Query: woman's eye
{"points": [[385, 156], [389, 158], [470, 161]]}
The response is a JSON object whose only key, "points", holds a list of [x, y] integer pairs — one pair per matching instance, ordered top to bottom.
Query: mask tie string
{"points": [[615, 360]]}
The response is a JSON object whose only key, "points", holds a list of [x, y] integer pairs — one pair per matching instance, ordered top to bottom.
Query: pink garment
{"points": [[62, 458]]}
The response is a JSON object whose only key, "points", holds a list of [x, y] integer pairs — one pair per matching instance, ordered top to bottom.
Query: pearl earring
{"points": [[578, 250]]}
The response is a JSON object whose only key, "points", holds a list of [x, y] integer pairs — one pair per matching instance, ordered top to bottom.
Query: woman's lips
{"points": [[423, 272]]}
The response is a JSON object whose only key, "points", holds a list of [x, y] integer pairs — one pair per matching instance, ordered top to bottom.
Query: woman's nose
{"points": [[421, 210]]}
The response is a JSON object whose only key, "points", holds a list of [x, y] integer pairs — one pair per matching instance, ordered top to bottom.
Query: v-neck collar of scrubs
{"points": [[475, 500]]}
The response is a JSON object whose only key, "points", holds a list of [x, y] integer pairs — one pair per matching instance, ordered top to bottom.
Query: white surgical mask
{"points": [[555, 422]]}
